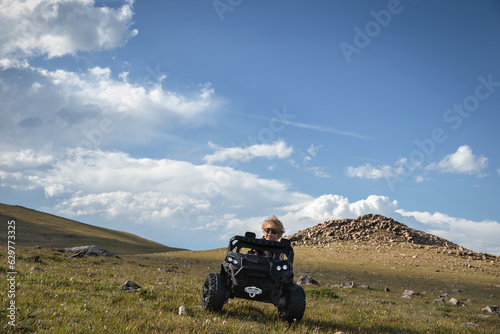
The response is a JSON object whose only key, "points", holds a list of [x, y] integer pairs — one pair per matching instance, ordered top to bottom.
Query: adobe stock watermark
{"points": [[223, 6], [373, 28], [156, 74], [453, 118], [266, 135], [11, 273]]}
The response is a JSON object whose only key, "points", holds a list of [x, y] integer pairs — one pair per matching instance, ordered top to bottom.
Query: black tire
{"points": [[215, 294], [295, 305]]}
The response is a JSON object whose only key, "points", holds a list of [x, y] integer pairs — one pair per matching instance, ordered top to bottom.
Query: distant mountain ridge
{"points": [[35, 228], [374, 228]]}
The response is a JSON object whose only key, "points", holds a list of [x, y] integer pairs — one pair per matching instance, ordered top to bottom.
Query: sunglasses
{"points": [[271, 230]]}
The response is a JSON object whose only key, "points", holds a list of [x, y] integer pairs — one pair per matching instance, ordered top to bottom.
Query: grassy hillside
{"points": [[34, 228], [64, 295]]}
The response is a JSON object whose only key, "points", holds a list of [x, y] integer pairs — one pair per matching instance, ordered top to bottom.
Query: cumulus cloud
{"points": [[60, 27], [90, 109], [278, 149], [24, 159], [462, 161], [85, 172], [160, 194], [172, 199], [330, 206], [140, 207]]}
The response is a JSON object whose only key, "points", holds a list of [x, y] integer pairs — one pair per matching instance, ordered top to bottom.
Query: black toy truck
{"points": [[249, 272]]}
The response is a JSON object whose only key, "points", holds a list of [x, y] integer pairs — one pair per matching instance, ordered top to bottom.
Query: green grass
{"points": [[35, 228], [83, 295]]}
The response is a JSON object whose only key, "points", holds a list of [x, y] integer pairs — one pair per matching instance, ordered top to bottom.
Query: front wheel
{"points": [[214, 292], [295, 305]]}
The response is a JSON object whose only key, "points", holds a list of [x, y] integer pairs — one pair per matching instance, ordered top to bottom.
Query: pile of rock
{"points": [[375, 229]]}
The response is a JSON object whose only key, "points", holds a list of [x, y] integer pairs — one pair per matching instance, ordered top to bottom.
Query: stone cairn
{"points": [[375, 229]]}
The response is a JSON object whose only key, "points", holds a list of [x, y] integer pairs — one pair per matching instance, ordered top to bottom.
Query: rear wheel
{"points": [[215, 293], [295, 305]]}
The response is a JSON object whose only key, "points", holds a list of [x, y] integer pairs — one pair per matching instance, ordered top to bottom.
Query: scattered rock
{"points": [[81, 251], [78, 255], [35, 259], [37, 269], [169, 269], [307, 280], [161, 282], [349, 285], [130, 287], [387, 289], [410, 293], [439, 300], [456, 302], [492, 309], [182, 310], [471, 323]]}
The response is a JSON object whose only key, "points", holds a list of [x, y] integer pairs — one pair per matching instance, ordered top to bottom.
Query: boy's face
{"points": [[271, 233]]}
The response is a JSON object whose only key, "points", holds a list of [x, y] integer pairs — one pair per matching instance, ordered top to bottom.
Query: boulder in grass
{"points": [[81, 251], [307, 280], [130, 286], [456, 302], [492, 309]]}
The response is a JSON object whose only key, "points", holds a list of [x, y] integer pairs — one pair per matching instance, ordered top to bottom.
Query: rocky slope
{"points": [[372, 228]]}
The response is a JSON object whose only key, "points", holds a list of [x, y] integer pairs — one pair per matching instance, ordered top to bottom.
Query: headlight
{"points": [[229, 259], [235, 261], [285, 267], [278, 268]]}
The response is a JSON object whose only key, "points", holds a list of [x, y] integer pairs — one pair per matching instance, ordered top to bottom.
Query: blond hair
{"points": [[276, 222]]}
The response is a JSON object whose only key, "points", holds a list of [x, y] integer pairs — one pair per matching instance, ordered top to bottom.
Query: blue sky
{"points": [[187, 122]]}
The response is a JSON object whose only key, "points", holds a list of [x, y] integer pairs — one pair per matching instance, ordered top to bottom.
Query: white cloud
{"points": [[60, 27], [90, 109], [278, 149], [313, 150], [24, 159], [462, 161], [317, 171], [368, 171], [498, 171], [89, 172], [419, 179], [160, 194], [168, 200], [330, 206], [141, 207], [478, 236]]}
